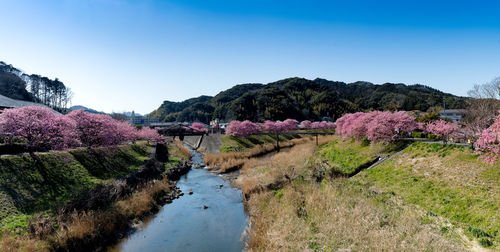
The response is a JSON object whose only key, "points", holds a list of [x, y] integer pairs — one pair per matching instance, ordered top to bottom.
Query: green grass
{"points": [[231, 143], [347, 157], [112, 162], [33, 184], [474, 206]]}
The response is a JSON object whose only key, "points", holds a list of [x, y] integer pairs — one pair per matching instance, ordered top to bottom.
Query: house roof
{"points": [[455, 111]]}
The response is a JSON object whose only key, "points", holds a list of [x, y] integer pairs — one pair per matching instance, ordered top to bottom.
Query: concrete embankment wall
{"points": [[211, 143]]}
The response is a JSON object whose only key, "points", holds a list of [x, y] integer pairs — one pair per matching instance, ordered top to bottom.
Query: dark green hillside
{"points": [[14, 84], [14, 87], [391, 96], [301, 99], [168, 107]]}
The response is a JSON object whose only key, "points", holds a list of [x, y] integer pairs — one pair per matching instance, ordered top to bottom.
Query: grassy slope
{"points": [[231, 143], [347, 156], [445, 180], [30, 185], [425, 198], [336, 214]]}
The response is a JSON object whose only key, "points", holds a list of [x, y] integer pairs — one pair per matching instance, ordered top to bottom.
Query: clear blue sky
{"points": [[122, 55]]}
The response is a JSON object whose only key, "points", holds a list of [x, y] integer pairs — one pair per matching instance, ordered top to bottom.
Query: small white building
{"points": [[455, 115], [142, 120]]}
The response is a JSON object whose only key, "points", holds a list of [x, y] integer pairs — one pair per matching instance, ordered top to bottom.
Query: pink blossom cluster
{"points": [[317, 125], [376, 125], [278, 126], [198, 127], [246, 128], [41, 129], [242, 129], [442, 129], [488, 143]]}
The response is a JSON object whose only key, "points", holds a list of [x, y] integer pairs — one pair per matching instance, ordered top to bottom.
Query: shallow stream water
{"points": [[212, 218]]}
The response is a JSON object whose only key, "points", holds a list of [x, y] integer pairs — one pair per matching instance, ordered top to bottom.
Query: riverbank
{"points": [[226, 162], [425, 197], [96, 217], [209, 217]]}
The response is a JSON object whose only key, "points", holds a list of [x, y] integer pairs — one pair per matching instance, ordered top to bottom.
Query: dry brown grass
{"points": [[179, 145], [227, 161], [457, 169], [259, 174], [143, 201], [290, 211], [336, 215], [90, 225], [9, 242]]}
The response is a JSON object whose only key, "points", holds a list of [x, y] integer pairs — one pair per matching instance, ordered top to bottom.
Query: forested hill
{"points": [[16, 84], [304, 99]]}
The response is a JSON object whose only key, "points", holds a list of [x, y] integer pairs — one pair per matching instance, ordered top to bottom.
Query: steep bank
{"points": [[39, 182], [97, 216]]}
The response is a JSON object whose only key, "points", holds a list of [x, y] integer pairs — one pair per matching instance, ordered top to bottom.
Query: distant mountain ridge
{"points": [[301, 99], [77, 107]]}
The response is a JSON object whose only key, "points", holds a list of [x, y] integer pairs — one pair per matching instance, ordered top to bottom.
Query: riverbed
{"points": [[212, 218]]}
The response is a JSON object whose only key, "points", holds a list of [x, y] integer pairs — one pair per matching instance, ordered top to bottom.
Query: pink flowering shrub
{"points": [[39, 128], [442, 129], [488, 143]]}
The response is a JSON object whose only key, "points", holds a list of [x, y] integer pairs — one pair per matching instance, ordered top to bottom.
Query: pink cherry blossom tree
{"points": [[346, 122], [306, 124], [289, 125], [376, 125], [387, 126], [198, 127], [39, 128], [100, 129], [242, 129], [442, 129], [149, 134], [488, 143]]}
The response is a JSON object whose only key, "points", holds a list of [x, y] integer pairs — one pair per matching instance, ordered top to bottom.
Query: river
{"points": [[212, 218]]}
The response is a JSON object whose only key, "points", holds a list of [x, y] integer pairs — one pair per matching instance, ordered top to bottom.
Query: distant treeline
{"points": [[18, 85], [305, 99]]}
